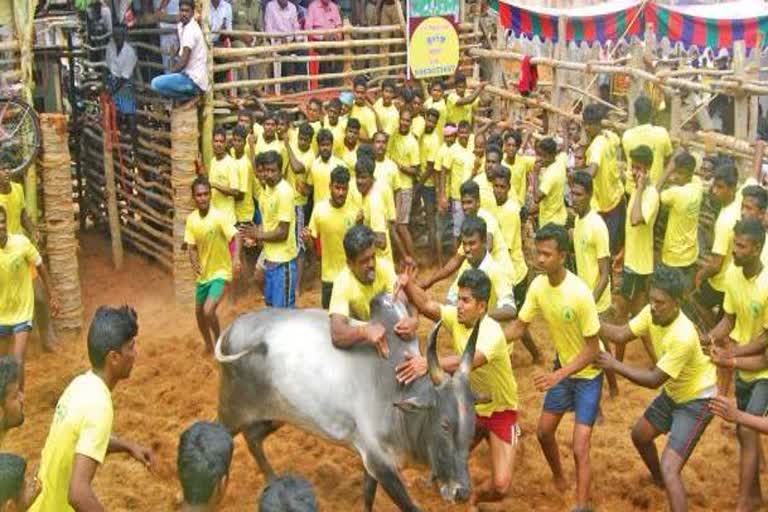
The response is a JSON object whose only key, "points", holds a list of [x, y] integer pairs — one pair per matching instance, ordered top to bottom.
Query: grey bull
{"points": [[279, 366]]}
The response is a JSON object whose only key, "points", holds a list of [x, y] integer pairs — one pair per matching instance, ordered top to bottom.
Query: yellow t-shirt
{"points": [[442, 109], [456, 113], [389, 117], [367, 119], [418, 123], [338, 131], [656, 138], [262, 146], [429, 147], [404, 152], [442, 153], [349, 157], [459, 161], [519, 171], [224, 173], [385, 173], [319, 177], [293, 178], [552, 188], [608, 189], [487, 199], [13, 202], [278, 207], [244, 208], [377, 213], [508, 217], [330, 224], [210, 235], [638, 240], [723, 241], [590, 242], [497, 246], [680, 247], [501, 289], [17, 298], [351, 298], [746, 299], [570, 314], [691, 374], [495, 378], [82, 424]]}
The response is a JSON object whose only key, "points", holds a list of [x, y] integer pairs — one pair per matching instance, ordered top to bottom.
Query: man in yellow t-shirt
{"points": [[437, 101], [461, 105], [385, 109], [362, 110], [335, 123], [654, 137], [349, 143], [404, 152], [520, 166], [457, 168], [319, 176], [484, 177], [224, 179], [426, 194], [549, 194], [370, 197], [12, 199], [608, 199], [244, 207], [508, 218], [330, 221], [207, 234], [277, 234], [680, 248], [364, 277], [710, 279], [17, 297], [568, 309], [740, 334], [491, 374], [687, 377], [81, 435]]}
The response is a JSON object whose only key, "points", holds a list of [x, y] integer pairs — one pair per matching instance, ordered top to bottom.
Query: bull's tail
{"points": [[220, 357]]}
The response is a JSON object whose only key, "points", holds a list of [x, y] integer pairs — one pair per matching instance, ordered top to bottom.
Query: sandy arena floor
{"points": [[172, 386]]}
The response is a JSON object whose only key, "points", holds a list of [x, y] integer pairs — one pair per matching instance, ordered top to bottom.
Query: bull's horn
{"points": [[469, 351], [220, 357], [435, 372]]}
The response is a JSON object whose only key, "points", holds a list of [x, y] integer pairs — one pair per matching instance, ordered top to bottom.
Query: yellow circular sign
{"points": [[434, 48]]}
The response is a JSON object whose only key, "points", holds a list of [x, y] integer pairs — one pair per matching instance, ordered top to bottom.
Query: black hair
{"points": [[188, 3], [459, 78], [360, 80], [437, 82], [389, 83], [416, 93], [316, 101], [335, 103], [643, 109], [245, 112], [433, 112], [593, 113], [269, 116], [283, 117], [353, 123], [464, 124], [220, 130], [306, 130], [240, 131], [381, 134], [514, 134], [324, 135], [547, 146], [491, 148], [366, 151], [643, 155], [272, 157], [685, 161], [364, 164], [503, 172], [727, 173], [340, 175], [200, 180], [584, 180], [470, 188], [758, 193], [3, 212], [474, 225], [751, 228], [554, 232], [358, 238], [669, 280], [477, 282], [110, 329], [9, 373], [204, 454], [12, 471], [288, 494]]}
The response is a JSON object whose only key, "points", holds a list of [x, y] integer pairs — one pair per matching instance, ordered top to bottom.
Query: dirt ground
{"points": [[173, 385]]}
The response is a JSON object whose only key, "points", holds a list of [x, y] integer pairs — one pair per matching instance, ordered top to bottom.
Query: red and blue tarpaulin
{"points": [[714, 26]]}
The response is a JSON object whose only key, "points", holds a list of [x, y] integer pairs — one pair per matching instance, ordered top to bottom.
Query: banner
{"points": [[433, 41]]}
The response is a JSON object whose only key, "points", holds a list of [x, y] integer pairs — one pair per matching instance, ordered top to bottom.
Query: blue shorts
{"points": [[256, 214], [280, 284], [10, 330], [579, 395]]}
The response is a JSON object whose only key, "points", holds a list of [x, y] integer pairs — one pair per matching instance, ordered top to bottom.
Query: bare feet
{"points": [[560, 484]]}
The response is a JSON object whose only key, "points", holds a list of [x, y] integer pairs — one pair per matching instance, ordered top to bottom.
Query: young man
{"points": [[437, 102], [461, 105], [385, 109], [362, 110], [315, 113], [335, 123], [656, 138], [270, 139], [350, 142], [429, 147], [404, 151], [243, 162], [601, 164], [520, 165], [457, 168], [385, 171], [319, 175], [484, 177], [224, 179], [549, 192], [12, 199], [754, 202], [377, 206], [508, 217], [330, 221], [208, 234], [278, 235], [680, 248], [363, 278], [710, 279], [17, 296], [568, 308], [741, 333], [491, 373], [686, 374], [11, 401], [81, 432], [202, 463], [17, 489], [288, 494]]}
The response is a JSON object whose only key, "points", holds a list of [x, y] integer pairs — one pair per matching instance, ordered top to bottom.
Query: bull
{"points": [[280, 366]]}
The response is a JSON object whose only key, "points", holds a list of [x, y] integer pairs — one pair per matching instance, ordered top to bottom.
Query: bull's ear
{"points": [[415, 403]]}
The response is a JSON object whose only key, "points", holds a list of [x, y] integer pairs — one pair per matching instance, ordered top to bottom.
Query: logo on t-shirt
{"points": [[755, 308], [568, 314]]}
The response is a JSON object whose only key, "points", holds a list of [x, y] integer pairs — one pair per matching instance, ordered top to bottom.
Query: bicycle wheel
{"points": [[19, 135]]}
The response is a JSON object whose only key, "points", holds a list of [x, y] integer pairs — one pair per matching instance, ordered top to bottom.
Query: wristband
{"points": [[733, 362]]}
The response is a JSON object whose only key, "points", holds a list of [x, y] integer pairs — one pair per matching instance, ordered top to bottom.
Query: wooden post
{"points": [[23, 17], [347, 51], [475, 62], [754, 74], [558, 76], [497, 77], [740, 101], [675, 115], [207, 121], [184, 135], [111, 197], [61, 241]]}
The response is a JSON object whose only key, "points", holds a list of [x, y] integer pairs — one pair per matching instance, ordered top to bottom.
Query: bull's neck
{"points": [[415, 424]]}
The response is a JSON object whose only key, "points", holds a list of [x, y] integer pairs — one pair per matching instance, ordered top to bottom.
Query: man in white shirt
{"points": [[283, 17], [220, 19], [121, 60], [188, 77]]}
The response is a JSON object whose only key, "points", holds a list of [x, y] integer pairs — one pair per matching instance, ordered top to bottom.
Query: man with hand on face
{"points": [[688, 378]]}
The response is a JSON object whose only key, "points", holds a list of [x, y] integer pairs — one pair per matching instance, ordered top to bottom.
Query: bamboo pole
{"points": [[314, 45], [347, 57], [303, 58], [558, 76], [251, 84], [594, 98], [741, 102], [754, 107], [207, 121], [184, 136], [111, 197]]}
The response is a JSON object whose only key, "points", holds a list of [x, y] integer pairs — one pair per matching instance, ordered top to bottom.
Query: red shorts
{"points": [[501, 423]]}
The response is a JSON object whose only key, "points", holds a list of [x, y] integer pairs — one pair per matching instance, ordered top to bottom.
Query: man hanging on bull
{"points": [[364, 277], [491, 377]]}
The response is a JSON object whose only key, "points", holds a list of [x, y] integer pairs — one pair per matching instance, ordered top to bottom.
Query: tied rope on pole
{"points": [[109, 125]]}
